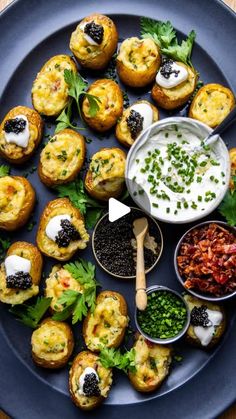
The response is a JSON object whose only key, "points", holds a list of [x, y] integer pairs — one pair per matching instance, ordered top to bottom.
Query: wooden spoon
{"points": [[140, 227]]}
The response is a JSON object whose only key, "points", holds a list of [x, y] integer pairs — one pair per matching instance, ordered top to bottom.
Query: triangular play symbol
{"points": [[117, 209]]}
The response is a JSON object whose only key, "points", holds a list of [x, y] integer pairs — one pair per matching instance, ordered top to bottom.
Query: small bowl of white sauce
{"points": [[170, 176]]}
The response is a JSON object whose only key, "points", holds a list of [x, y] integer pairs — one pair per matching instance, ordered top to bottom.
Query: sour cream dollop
{"points": [[86, 36], [177, 76], [145, 111], [22, 138], [54, 225], [14, 264], [205, 334], [88, 370]]}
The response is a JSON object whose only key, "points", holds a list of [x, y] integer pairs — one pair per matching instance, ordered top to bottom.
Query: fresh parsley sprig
{"points": [[164, 35], [4, 170], [227, 207], [4, 245], [74, 303], [31, 315], [113, 358]]}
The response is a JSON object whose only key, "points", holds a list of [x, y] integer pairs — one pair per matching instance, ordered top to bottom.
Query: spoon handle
{"points": [[230, 118], [141, 296]]}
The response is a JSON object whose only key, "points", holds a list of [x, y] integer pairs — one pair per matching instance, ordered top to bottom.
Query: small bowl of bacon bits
{"points": [[205, 261]]}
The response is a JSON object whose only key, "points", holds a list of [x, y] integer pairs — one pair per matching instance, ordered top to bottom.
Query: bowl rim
{"points": [[143, 138], [133, 276], [190, 291], [181, 333]]}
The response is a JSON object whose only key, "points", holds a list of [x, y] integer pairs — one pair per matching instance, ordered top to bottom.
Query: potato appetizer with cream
{"points": [[94, 41], [138, 61], [175, 83], [50, 91], [212, 103], [110, 105], [134, 120], [20, 133], [232, 156], [62, 158], [105, 176], [17, 200], [61, 230], [20, 273], [207, 324], [106, 325], [52, 344], [152, 362], [89, 381]]}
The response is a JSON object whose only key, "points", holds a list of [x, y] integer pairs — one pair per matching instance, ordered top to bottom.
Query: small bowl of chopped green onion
{"points": [[166, 318]]}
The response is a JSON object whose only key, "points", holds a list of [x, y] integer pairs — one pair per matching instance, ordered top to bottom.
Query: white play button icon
{"points": [[116, 209]]}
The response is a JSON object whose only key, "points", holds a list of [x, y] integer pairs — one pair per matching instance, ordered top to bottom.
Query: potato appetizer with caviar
{"points": [[94, 41], [138, 61], [175, 83], [50, 91], [212, 103], [110, 105], [134, 120], [20, 133], [232, 156], [62, 158], [106, 174], [17, 200], [61, 230], [20, 273], [60, 280], [207, 323], [107, 324], [52, 344], [152, 362], [89, 381]]}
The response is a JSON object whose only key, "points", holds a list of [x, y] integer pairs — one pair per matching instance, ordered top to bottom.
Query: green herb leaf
{"points": [[183, 51], [93, 104], [64, 119], [4, 170], [227, 207], [92, 217], [4, 246], [30, 315], [113, 358]]}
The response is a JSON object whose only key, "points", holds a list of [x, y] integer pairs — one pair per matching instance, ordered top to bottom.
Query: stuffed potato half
{"points": [[94, 41], [138, 61], [50, 91], [110, 105], [20, 133], [62, 158], [105, 176], [17, 200], [61, 230], [20, 273], [107, 324], [52, 344], [152, 362], [89, 381]]}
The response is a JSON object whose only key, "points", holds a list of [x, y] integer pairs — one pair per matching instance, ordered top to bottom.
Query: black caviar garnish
{"points": [[95, 31], [166, 69], [135, 123], [15, 125], [67, 234], [20, 280], [199, 316], [90, 386]]}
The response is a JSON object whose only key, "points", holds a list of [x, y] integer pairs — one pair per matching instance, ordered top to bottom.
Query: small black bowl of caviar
{"points": [[114, 244], [166, 317]]}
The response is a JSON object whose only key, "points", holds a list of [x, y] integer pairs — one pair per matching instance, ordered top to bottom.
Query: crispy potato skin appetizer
{"points": [[95, 57], [138, 61], [50, 91], [175, 96], [212, 103], [110, 107], [123, 134], [11, 151], [232, 156], [62, 158], [105, 176], [17, 200], [50, 248], [59, 281], [15, 295], [107, 324], [190, 337], [52, 344], [81, 362], [152, 363]]}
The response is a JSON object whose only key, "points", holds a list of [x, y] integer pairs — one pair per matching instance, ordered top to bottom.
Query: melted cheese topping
{"points": [[138, 54], [50, 91], [107, 164], [12, 198], [105, 324], [50, 341]]}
